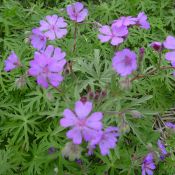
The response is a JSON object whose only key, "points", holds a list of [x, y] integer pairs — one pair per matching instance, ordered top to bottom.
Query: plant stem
{"points": [[75, 36], [151, 72]]}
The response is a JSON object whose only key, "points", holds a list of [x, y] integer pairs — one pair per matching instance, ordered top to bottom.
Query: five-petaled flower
{"points": [[77, 12], [125, 21], [141, 21], [53, 27], [114, 33], [38, 39], [169, 43], [12, 62], [124, 62], [47, 66], [83, 124], [106, 140], [148, 165]]}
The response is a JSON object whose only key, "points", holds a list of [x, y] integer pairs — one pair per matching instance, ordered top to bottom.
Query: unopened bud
{"points": [[157, 46], [141, 52], [21, 82], [125, 83], [103, 93], [97, 95], [83, 99], [135, 114], [72, 151]]}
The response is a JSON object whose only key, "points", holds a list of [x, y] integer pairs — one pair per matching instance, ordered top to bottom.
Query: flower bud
{"points": [[157, 46], [141, 52], [21, 82], [125, 83], [83, 99], [135, 114], [72, 151]]}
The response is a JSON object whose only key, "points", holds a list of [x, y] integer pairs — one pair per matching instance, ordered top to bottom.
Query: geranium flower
{"points": [[77, 12], [125, 21], [141, 21], [53, 27], [114, 33], [38, 39], [169, 43], [12, 62], [124, 62], [47, 66], [83, 125], [170, 125], [106, 140], [162, 149], [148, 165]]}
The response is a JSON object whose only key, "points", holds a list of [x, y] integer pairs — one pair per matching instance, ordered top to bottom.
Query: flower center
{"points": [[52, 27], [127, 61], [46, 70], [82, 122]]}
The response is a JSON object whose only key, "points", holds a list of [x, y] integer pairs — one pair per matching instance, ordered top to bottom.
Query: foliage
{"points": [[29, 115]]}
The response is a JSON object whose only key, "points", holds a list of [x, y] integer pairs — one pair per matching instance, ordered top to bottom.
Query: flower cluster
{"points": [[118, 31], [88, 127]]}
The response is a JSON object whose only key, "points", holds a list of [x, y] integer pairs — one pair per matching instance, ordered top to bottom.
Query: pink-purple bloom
{"points": [[77, 12], [125, 21], [141, 21], [53, 27], [114, 34], [38, 39], [169, 43], [157, 46], [12, 62], [124, 62], [47, 66], [83, 124], [170, 125], [106, 140], [161, 147], [148, 165]]}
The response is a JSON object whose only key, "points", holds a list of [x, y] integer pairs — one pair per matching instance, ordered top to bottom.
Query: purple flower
{"points": [[77, 12], [125, 21], [141, 21], [53, 27], [114, 33], [38, 39], [169, 43], [157, 46], [12, 62], [124, 62], [47, 66], [82, 124], [170, 125], [106, 140], [161, 147], [148, 165]]}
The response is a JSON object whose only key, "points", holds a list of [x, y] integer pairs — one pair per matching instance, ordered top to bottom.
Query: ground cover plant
{"points": [[84, 86]]}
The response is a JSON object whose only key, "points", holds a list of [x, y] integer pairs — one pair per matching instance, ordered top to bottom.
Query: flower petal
{"points": [[169, 43], [170, 56], [83, 109], [69, 118], [75, 135]]}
